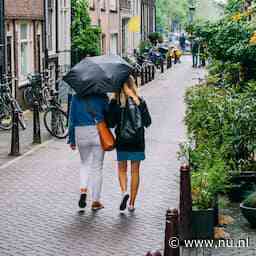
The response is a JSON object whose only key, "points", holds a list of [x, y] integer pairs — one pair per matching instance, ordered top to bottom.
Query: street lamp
{"points": [[192, 9], [2, 42]]}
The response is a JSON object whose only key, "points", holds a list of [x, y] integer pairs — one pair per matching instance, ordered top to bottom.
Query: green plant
{"points": [[85, 37], [155, 38], [144, 45], [222, 119], [250, 201]]}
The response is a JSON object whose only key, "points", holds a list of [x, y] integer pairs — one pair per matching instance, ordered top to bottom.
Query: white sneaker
{"points": [[131, 208]]}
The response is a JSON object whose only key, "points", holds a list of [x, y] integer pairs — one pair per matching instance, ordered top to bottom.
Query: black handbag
{"points": [[131, 120]]}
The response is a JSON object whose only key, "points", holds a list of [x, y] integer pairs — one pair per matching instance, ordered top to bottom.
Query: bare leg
{"points": [[122, 174], [135, 181]]}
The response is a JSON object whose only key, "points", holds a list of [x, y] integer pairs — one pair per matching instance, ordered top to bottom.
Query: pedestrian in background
{"points": [[183, 42], [194, 51], [85, 113], [130, 137]]}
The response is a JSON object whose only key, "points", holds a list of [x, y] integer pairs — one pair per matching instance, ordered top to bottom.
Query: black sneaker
{"points": [[82, 201], [124, 201]]}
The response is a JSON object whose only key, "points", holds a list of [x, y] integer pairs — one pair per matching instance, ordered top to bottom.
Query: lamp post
{"points": [[192, 9], [2, 42]]}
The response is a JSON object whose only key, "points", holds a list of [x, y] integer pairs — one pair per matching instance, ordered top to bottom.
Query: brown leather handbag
{"points": [[107, 139]]}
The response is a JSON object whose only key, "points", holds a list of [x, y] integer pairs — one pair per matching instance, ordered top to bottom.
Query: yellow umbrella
{"points": [[134, 24]]}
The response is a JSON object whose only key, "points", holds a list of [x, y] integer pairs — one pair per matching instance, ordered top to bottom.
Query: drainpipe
{"points": [[57, 24], [57, 38], [2, 42], [45, 45], [15, 47]]}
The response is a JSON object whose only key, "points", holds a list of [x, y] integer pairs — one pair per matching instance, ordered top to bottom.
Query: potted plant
{"points": [[209, 180], [248, 209], [203, 210]]}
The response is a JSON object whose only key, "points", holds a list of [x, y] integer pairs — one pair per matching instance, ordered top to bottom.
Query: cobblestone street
{"points": [[39, 192]]}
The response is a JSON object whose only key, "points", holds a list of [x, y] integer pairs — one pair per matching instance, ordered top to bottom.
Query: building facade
{"points": [[105, 14], [113, 17], [148, 18], [37, 39], [24, 40], [58, 40]]}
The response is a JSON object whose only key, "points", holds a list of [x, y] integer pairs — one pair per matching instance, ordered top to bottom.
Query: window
{"points": [[92, 4], [103, 5], [113, 5], [103, 44], [114, 44], [24, 49]]}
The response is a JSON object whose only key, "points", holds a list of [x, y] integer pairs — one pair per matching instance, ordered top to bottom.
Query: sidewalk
{"points": [[39, 193]]}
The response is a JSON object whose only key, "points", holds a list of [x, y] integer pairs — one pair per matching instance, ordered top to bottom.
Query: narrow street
{"points": [[39, 193]]}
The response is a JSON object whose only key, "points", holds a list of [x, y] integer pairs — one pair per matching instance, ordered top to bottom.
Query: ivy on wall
{"points": [[85, 37]]}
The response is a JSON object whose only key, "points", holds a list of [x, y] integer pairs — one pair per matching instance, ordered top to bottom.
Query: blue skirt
{"points": [[133, 156]]}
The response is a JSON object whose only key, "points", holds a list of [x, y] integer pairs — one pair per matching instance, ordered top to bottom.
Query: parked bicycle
{"points": [[36, 91], [8, 104], [56, 119]]}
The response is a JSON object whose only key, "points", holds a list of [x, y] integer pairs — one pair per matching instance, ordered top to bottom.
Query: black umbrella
{"points": [[98, 75]]}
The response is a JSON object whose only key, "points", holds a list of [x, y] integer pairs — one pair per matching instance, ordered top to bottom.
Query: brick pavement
{"points": [[39, 193]]}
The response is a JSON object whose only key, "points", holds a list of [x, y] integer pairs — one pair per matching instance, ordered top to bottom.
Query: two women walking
{"points": [[128, 114]]}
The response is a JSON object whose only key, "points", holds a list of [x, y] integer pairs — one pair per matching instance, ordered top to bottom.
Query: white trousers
{"points": [[92, 156]]}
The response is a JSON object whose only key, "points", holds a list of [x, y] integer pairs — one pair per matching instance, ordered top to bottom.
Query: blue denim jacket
{"points": [[80, 113]]}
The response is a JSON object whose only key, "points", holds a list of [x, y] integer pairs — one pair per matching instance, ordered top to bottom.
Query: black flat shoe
{"points": [[82, 201]]}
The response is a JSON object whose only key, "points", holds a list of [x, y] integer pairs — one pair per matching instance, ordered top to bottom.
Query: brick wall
{"points": [[24, 9]]}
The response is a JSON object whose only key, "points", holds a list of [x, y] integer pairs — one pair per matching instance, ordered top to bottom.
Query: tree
{"points": [[175, 11], [85, 37]]}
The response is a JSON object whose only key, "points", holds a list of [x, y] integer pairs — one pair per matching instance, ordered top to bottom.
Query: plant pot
{"points": [[245, 176], [241, 185], [250, 214], [203, 224]]}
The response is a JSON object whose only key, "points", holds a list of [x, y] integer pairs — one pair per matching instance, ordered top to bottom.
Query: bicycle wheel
{"points": [[28, 97], [6, 118], [55, 121]]}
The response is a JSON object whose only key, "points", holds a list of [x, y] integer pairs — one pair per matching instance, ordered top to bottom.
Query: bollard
{"points": [[169, 62], [162, 65], [150, 72], [153, 72], [146, 74], [142, 76], [36, 124], [15, 143], [185, 203], [171, 245], [156, 253]]}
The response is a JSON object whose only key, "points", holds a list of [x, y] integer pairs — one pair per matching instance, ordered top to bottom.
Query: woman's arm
{"points": [[112, 116], [146, 118], [71, 124]]}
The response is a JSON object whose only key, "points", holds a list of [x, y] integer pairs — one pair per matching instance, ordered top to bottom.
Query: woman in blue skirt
{"points": [[128, 150]]}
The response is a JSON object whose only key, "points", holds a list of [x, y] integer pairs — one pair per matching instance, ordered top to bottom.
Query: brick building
{"points": [[105, 13], [148, 18], [24, 40], [28, 40]]}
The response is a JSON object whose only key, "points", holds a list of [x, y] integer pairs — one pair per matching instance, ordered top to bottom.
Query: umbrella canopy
{"points": [[98, 75]]}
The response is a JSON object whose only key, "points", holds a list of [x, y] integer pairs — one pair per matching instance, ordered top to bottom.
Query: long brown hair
{"points": [[121, 96]]}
